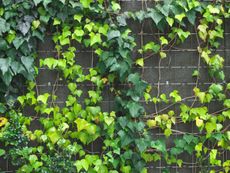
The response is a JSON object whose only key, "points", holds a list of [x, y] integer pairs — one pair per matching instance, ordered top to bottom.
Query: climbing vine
{"points": [[65, 132]]}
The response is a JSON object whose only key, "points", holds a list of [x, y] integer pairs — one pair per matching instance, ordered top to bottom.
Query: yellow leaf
{"points": [[163, 55], [140, 62], [3, 121], [199, 122], [151, 123]]}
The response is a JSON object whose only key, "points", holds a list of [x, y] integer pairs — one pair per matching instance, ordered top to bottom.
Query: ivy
{"points": [[125, 133]]}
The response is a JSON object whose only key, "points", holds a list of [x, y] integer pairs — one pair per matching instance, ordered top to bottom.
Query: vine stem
{"points": [[167, 107]]}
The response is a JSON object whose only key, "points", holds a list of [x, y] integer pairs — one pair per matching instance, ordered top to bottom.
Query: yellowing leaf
{"points": [[180, 16], [78, 17], [170, 21], [163, 40], [163, 55], [140, 62], [3, 121], [199, 122], [151, 123], [81, 124]]}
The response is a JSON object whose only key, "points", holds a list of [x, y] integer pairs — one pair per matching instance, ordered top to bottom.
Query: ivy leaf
{"points": [[36, 2], [46, 2], [86, 3], [115, 6], [191, 14], [156, 16], [180, 16], [78, 17], [170, 21], [56, 22], [4, 26], [24, 27], [113, 34], [11, 36], [95, 38], [18, 41], [3, 44], [152, 46], [27, 62], [140, 62], [5, 64], [195, 73], [7, 78], [215, 89], [175, 95], [43, 98], [227, 103], [2, 108], [134, 108], [94, 110], [109, 120], [199, 122], [151, 123], [81, 124], [210, 127], [167, 132], [53, 135], [125, 139], [141, 144], [159, 145], [2, 152], [33, 158]]}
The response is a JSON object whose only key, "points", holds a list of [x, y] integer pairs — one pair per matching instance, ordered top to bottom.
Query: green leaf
{"points": [[36, 2], [86, 3], [115, 6], [191, 14], [156, 16], [180, 16], [78, 17], [56, 21], [170, 21], [36, 24], [5, 26], [113, 34], [11, 36], [95, 38], [163, 40], [18, 41], [152, 46], [163, 55], [27, 62], [4, 65], [215, 89], [175, 95], [43, 98], [227, 103], [2, 108], [135, 109], [94, 110], [109, 120], [151, 123], [81, 124], [210, 127], [167, 132], [53, 135], [2, 152], [33, 158], [126, 169]]}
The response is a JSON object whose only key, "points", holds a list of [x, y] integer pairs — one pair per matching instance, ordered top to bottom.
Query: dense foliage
{"points": [[64, 133]]}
